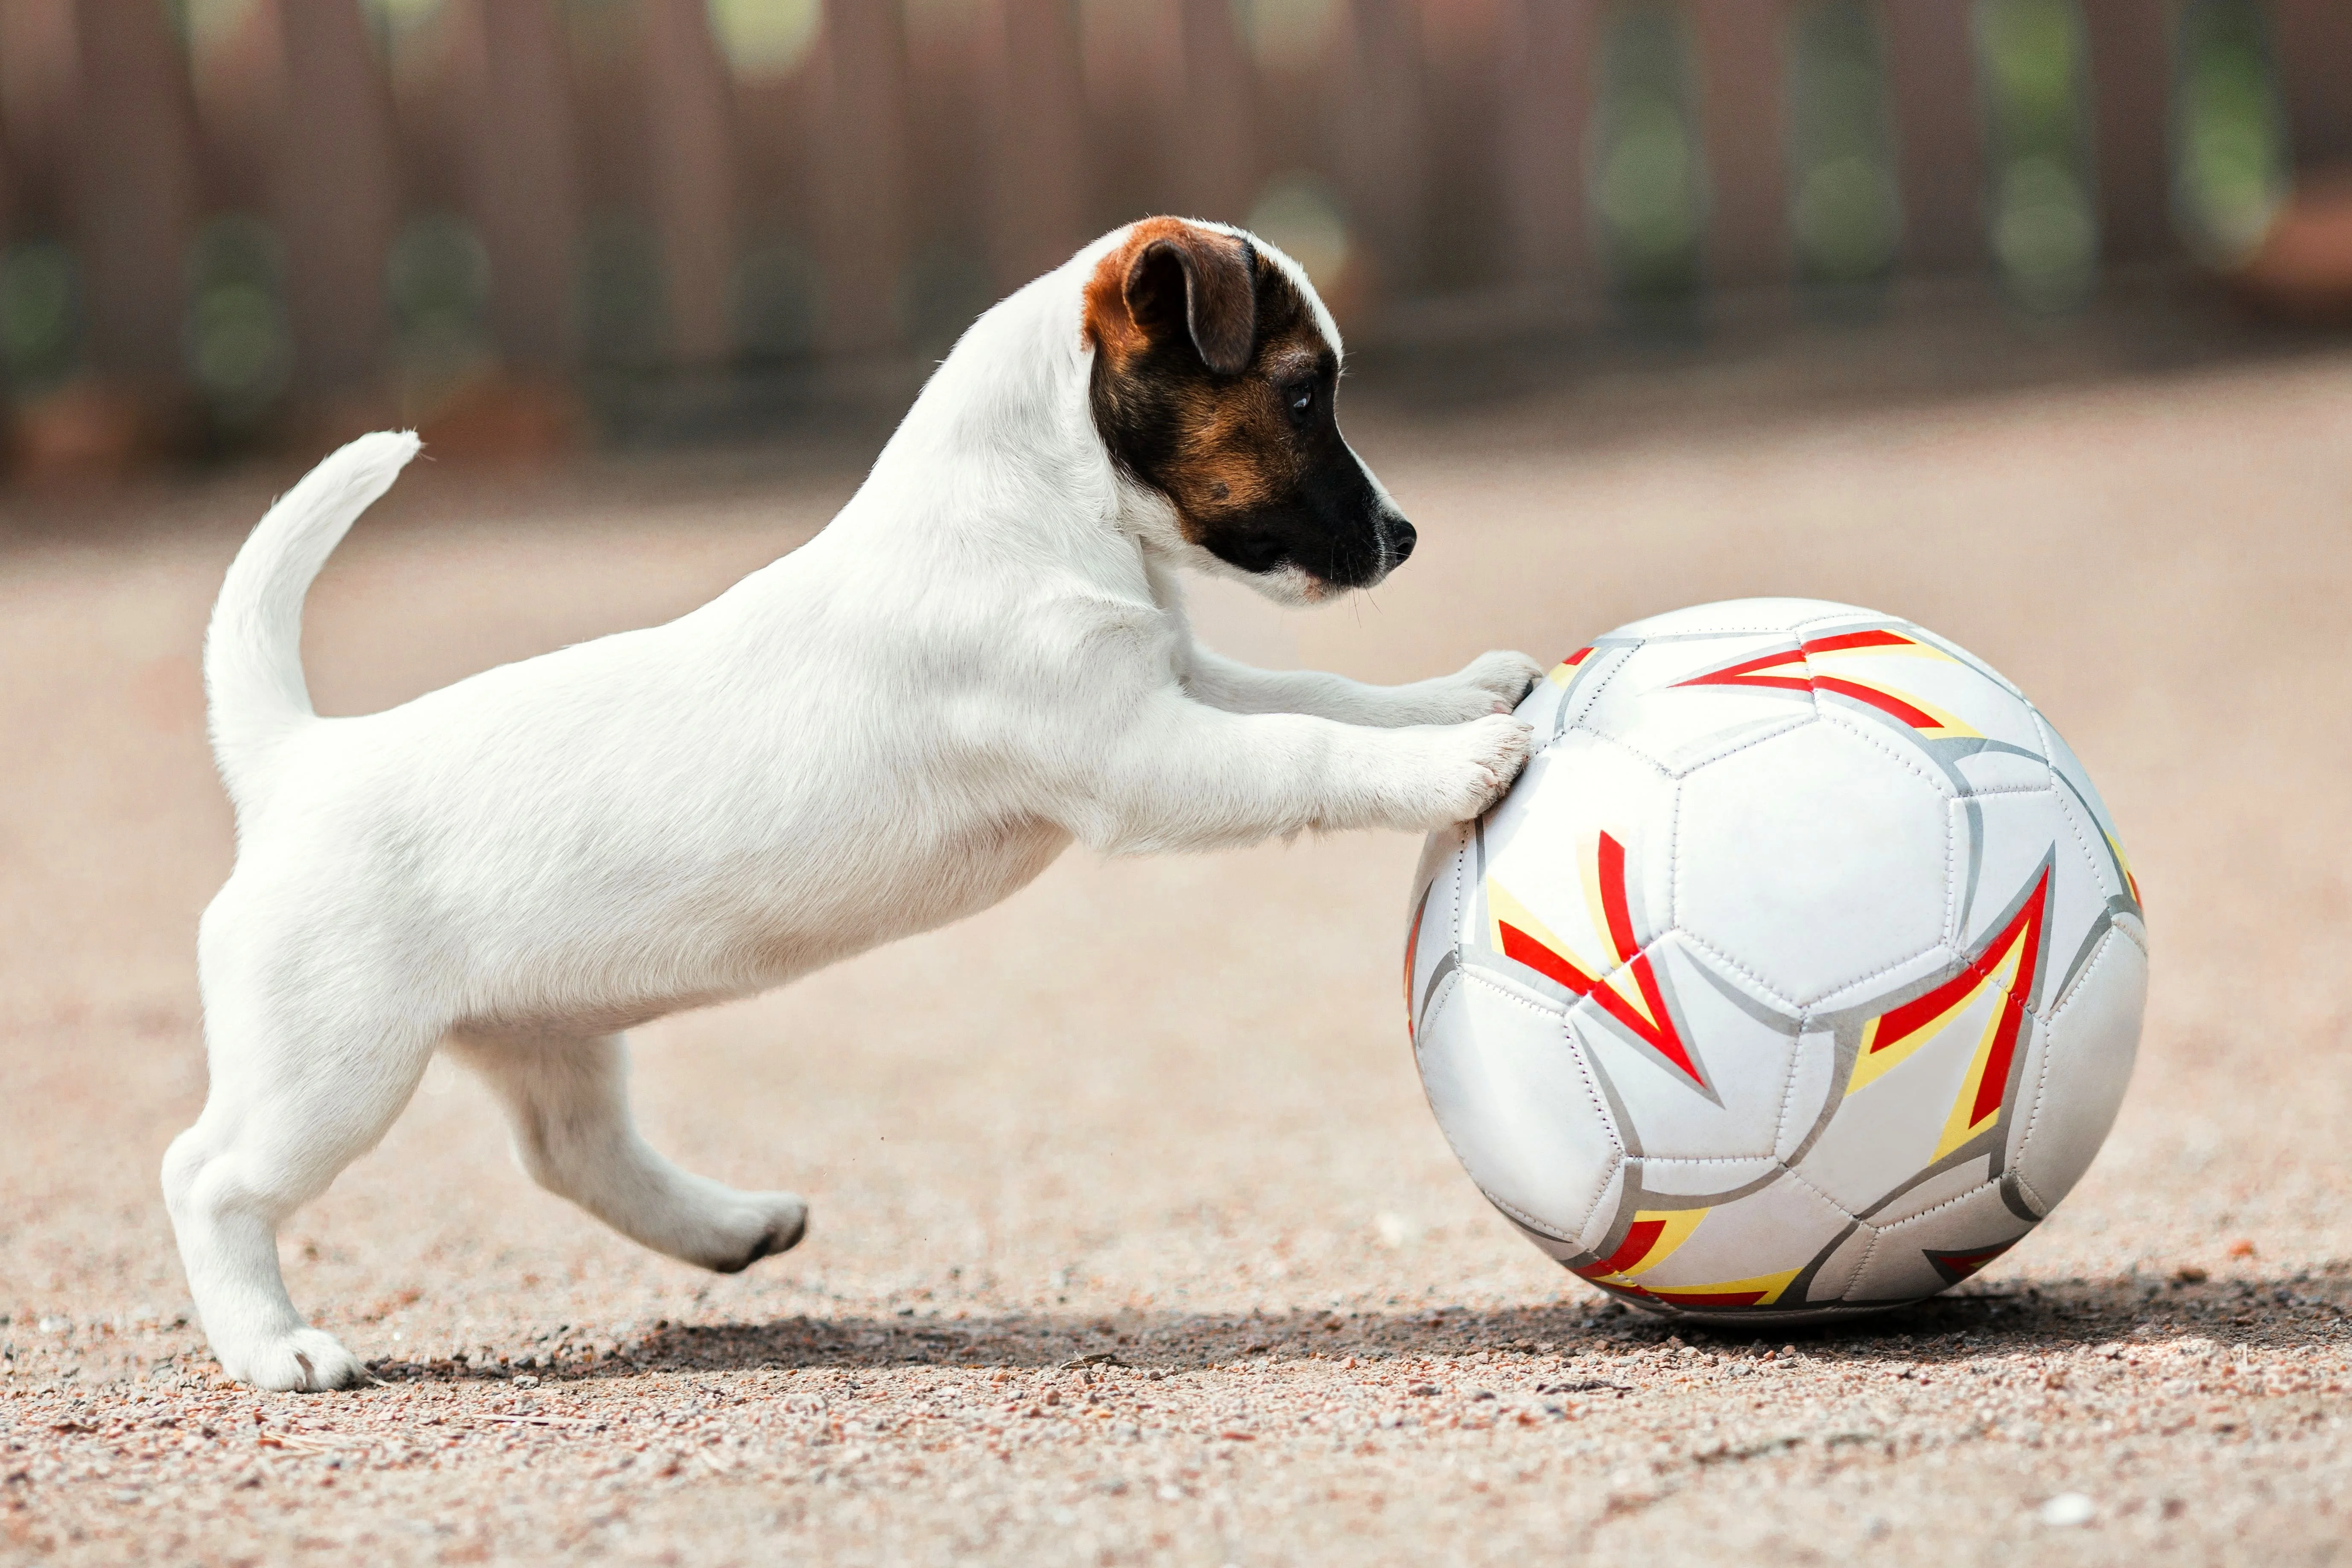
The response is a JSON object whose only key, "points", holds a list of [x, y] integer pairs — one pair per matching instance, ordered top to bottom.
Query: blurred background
{"points": [[237, 224], [2023, 319]]}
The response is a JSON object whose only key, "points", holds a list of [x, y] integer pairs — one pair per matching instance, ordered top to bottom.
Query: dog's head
{"points": [[1213, 379]]}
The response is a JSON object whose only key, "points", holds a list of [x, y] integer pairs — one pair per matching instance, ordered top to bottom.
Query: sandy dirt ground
{"points": [[1133, 1239]]}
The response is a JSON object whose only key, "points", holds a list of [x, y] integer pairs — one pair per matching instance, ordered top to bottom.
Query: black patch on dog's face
{"points": [[1214, 385]]}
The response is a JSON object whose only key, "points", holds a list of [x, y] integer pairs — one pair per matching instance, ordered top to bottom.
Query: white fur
{"points": [[983, 657]]}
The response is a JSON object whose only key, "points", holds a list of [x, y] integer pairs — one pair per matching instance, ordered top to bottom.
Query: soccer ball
{"points": [[1799, 975]]}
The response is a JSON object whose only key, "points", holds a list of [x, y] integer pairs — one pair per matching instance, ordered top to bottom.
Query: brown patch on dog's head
{"points": [[1213, 385]]}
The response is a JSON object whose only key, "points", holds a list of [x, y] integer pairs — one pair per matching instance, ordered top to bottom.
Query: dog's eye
{"points": [[1302, 400]]}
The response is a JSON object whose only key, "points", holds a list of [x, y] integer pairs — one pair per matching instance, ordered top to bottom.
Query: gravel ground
{"points": [[1133, 1239]]}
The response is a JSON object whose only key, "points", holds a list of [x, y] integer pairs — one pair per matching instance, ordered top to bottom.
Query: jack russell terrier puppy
{"points": [[982, 658]]}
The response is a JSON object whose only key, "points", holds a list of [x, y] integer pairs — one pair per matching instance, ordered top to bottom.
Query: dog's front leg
{"points": [[1491, 683], [1180, 775]]}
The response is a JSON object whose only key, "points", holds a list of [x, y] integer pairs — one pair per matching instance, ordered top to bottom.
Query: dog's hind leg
{"points": [[297, 1094], [568, 1103]]}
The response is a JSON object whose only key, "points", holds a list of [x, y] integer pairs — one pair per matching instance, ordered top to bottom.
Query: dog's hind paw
{"points": [[786, 1221], [307, 1361]]}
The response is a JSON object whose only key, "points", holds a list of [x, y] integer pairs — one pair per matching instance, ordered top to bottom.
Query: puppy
{"points": [[982, 658]]}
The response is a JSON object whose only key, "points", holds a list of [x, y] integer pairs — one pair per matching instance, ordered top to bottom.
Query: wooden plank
{"points": [[2314, 39], [2130, 45], [1465, 51], [1134, 61], [436, 75], [1741, 76], [237, 77], [38, 82], [1933, 89], [1548, 96], [690, 132], [949, 154], [1381, 154], [1212, 159], [1039, 180], [523, 183], [134, 188], [777, 190], [12, 191], [336, 191], [861, 204]]}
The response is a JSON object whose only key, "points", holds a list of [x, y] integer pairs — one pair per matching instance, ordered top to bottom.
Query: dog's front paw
{"points": [[1502, 675], [1491, 683], [1476, 764], [307, 1361]]}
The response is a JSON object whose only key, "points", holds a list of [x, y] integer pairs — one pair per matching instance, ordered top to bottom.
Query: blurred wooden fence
{"points": [[256, 205]]}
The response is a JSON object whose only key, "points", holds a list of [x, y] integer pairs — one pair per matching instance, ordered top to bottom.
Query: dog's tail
{"points": [[253, 653]]}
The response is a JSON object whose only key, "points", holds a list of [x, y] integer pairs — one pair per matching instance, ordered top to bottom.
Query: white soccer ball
{"points": [[1799, 975]]}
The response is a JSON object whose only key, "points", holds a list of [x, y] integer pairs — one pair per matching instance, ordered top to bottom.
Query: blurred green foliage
{"points": [[2231, 167], [1648, 184], [1845, 209], [2044, 223], [438, 276], [945, 285], [779, 293], [622, 300], [40, 314], [238, 346]]}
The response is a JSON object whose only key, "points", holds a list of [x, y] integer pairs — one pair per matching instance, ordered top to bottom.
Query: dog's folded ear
{"points": [[1181, 277]]}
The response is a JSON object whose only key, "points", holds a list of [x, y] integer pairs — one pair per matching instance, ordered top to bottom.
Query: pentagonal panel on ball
{"points": [[1991, 769], [2083, 798], [2025, 860], [1813, 861], [2116, 881], [1443, 886], [1693, 1064], [2076, 1069], [1927, 1085], [1512, 1097], [1933, 1190], [1940, 1248], [1744, 1252]]}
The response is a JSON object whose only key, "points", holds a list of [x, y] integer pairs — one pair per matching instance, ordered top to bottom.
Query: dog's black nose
{"points": [[1401, 537]]}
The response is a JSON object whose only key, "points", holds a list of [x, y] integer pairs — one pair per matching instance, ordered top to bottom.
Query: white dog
{"points": [[983, 657]]}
